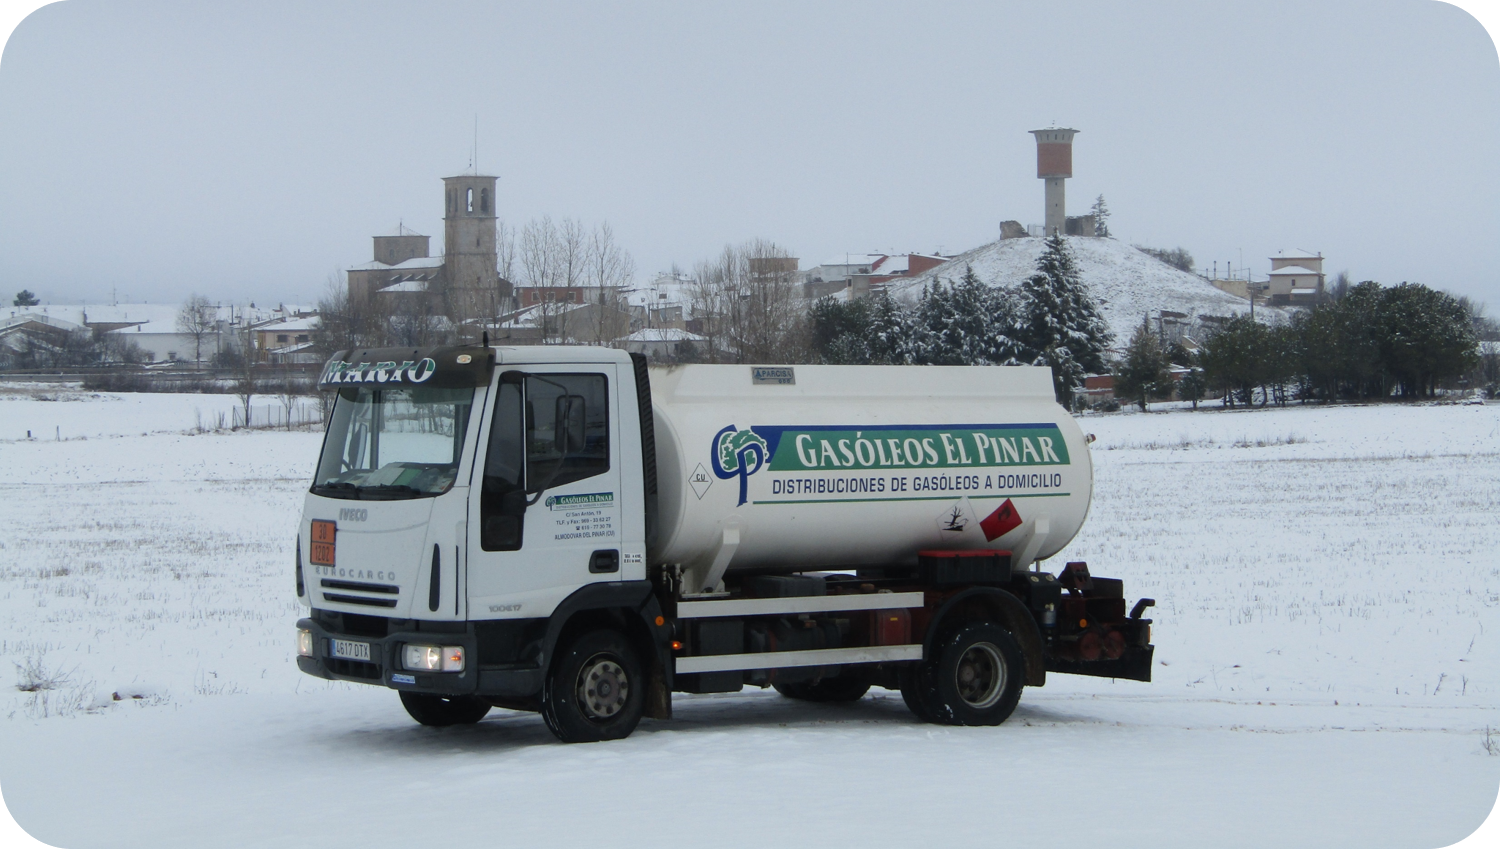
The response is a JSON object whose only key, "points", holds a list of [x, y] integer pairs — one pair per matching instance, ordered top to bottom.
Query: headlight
{"points": [[304, 642], [433, 658]]}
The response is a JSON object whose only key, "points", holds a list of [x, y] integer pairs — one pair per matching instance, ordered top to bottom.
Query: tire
{"points": [[978, 676], [843, 688], [595, 690], [918, 691], [442, 711]]}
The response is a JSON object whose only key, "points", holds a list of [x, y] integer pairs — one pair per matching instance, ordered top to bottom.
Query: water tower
{"points": [[1054, 163]]}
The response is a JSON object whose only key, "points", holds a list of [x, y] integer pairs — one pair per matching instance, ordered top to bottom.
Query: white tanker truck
{"points": [[562, 530]]}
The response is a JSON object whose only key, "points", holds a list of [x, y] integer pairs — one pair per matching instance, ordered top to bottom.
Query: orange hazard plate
{"points": [[322, 543]]}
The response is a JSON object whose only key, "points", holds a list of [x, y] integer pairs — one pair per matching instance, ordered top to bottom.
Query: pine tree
{"points": [[1101, 217], [25, 298], [1059, 322], [965, 323], [888, 335], [1143, 373]]}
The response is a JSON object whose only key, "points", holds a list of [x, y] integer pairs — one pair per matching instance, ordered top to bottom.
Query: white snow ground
{"points": [[1126, 283], [1327, 591]]}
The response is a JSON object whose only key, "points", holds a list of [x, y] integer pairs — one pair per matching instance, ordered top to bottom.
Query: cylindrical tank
{"points": [[798, 468]]}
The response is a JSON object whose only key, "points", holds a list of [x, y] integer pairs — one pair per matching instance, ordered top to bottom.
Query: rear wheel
{"points": [[978, 676], [842, 688], [595, 690], [918, 691], [439, 711]]}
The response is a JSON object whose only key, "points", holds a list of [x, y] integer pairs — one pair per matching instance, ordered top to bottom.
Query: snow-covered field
{"points": [[1327, 622]]}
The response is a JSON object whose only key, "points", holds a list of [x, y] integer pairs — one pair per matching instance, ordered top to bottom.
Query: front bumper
{"points": [[384, 661], [385, 665]]}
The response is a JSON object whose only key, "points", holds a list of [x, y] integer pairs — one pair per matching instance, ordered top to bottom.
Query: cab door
{"points": [[547, 494]]}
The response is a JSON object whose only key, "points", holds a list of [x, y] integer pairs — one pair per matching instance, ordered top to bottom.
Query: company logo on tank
{"points": [[923, 446], [882, 462]]}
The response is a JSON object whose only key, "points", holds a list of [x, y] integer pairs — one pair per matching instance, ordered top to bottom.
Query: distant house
{"points": [[863, 274], [1296, 278], [664, 302], [551, 323], [153, 327], [27, 340], [288, 341], [662, 343]]}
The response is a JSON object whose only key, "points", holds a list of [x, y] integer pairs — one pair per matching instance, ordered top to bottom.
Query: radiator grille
{"points": [[355, 599]]}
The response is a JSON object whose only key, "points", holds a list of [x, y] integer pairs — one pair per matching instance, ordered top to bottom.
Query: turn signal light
{"points": [[676, 645]]}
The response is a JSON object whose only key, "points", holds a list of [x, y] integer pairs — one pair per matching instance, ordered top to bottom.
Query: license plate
{"points": [[323, 534], [350, 650]]}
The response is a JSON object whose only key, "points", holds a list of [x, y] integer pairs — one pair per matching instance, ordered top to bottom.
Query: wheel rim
{"points": [[980, 676], [603, 688]]}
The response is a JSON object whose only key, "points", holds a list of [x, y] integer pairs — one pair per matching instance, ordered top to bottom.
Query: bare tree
{"points": [[554, 258], [505, 263], [610, 268], [709, 295], [748, 306], [197, 318], [343, 323], [245, 378], [288, 391]]}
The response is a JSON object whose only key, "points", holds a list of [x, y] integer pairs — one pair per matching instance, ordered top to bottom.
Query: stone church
{"points": [[463, 283]]}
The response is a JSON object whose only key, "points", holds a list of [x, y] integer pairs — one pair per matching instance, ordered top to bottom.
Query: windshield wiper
{"points": [[378, 489]]}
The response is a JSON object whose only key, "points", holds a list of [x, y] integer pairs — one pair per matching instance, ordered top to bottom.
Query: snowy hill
{"points": [[1126, 283]]}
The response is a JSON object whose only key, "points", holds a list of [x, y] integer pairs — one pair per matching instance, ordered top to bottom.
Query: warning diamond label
{"points": [[1001, 522]]}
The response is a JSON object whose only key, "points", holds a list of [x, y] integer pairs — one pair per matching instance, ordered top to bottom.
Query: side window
{"points": [[567, 428], [504, 472]]}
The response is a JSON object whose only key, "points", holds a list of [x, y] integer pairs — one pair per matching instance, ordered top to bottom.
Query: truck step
{"points": [[802, 604], [810, 657]]}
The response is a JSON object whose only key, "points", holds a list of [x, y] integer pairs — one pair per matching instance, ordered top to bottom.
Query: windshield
{"points": [[393, 443]]}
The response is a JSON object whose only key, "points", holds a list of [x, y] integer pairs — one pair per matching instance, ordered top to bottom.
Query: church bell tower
{"points": [[469, 259]]}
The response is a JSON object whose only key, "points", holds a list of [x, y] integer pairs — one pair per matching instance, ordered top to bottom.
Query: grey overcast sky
{"points": [[249, 150]]}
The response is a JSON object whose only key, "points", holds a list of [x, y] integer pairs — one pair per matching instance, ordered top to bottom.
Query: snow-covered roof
{"points": [[403, 230], [1296, 254], [855, 259], [414, 262], [892, 265], [1294, 271], [405, 286], [664, 291], [534, 315], [19, 319], [291, 325], [662, 334], [292, 348]]}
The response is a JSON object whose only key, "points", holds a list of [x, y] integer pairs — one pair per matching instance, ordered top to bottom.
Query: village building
{"points": [[1296, 278], [464, 282]]}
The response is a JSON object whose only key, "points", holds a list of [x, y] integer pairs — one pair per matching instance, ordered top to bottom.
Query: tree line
{"points": [[1369, 341]]}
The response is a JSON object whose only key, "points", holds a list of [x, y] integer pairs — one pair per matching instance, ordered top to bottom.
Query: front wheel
{"points": [[596, 690], [440, 711]]}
